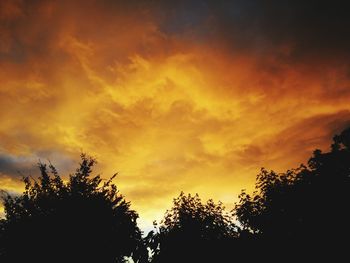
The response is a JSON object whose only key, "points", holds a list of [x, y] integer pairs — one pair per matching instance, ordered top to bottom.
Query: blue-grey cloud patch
{"points": [[14, 166], [19, 166]]}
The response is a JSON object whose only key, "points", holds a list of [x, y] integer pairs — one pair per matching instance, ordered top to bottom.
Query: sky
{"points": [[192, 96]]}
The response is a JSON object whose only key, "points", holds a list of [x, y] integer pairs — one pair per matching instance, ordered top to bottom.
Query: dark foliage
{"points": [[302, 213], [298, 216], [81, 220], [192, 232]]}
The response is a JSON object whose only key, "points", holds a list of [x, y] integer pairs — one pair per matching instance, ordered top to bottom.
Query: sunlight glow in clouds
{"points": [[171, 106]]}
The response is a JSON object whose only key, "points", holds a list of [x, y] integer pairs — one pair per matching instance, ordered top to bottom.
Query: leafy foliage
{"points": [[302, 208], [300, 215], [81, 220], [190, 229]]}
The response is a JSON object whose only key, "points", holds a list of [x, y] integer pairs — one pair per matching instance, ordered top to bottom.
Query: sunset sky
{"points": [[192, 96]]}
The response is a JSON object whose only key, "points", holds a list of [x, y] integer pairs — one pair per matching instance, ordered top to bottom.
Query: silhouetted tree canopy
{"points": [[305, 210], [300, 215], [81, 220], [192, 231]]}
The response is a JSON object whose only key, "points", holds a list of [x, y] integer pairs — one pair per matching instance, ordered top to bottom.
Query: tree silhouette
{"points": [[305, 211], [300, 215], [81, 220], [192, 231]]}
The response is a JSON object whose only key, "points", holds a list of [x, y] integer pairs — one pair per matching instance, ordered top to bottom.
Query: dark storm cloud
{"points": [[312, 28], [291, 29]]}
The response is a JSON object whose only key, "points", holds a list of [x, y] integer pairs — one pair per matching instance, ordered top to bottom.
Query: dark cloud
{"points": [[290, 28], [287, 29], [14, 166], [18, 166]]}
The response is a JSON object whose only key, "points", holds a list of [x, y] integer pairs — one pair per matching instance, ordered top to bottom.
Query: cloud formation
{"points": [[192, 95]]}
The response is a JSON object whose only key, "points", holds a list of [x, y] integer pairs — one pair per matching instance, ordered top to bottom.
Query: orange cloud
{"points": [[168, 112]]}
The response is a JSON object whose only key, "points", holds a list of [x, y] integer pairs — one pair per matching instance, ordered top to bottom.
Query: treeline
{"points": [[297, 216]]}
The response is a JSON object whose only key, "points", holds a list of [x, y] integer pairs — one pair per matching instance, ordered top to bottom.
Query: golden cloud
{"points": [[167, 112]]}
